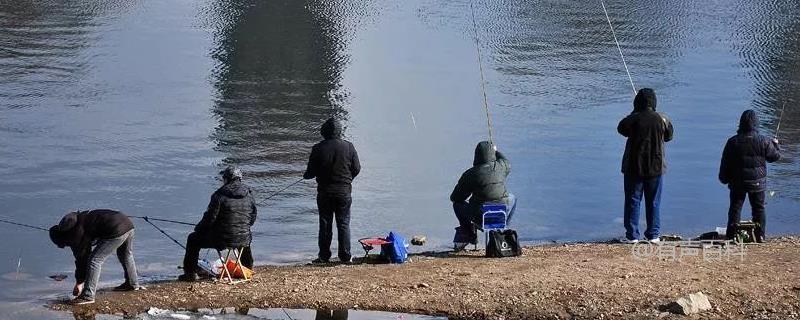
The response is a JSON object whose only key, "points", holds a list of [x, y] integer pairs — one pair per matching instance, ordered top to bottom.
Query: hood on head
{"points": [[645, 99], [748, 122], [331, 129], [484, 153], [235, 189], [58, 232], [57, 237]]}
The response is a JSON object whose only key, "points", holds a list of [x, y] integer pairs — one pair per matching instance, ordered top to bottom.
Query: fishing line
{"points": [[602, 3], [480, 68], [281, 190], [163, 220], [22, 224], [162, 231]]}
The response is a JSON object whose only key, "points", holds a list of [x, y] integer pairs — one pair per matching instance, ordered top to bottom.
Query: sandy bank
{"points": [[585, 281]]}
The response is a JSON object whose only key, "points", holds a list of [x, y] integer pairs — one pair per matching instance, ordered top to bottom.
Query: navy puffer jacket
{"points": [[744, 160], [230, 213]]}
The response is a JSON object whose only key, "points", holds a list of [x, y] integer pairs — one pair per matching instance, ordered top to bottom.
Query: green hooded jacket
{"points": [[486, 180]]}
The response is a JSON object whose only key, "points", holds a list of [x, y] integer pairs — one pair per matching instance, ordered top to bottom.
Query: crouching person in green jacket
{"points": [[485, 182]]}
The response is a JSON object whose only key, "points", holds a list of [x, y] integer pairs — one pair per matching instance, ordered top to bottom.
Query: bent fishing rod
{"points": [[619, 48], [480, 68]]}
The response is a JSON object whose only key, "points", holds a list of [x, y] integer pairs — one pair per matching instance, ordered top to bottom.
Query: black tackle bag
{"points": [[503, 244]]}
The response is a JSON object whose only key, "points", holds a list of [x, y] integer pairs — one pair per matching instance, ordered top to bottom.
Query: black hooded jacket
{"points": [[647, 131], [745, 157], [333, 161], [486, 180], [230, 213], [80, 230]]}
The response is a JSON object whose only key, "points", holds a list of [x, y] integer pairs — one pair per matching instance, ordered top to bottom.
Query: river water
{"points": [[135, 105]]}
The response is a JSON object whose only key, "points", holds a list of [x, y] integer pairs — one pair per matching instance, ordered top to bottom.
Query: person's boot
{"points": [[188, 277], [128, 287]]}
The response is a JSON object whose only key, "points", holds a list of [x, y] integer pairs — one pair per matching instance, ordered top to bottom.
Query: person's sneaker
{"points": [[625, 240], [654, 240], [459, 246], [320, 261], [347, 261], [188, 277], [127, 287], [81, 300]]}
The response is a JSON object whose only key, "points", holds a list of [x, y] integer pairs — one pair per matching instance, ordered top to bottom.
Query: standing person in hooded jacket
{"points": [[334, 163], [643, 164], [744, 169], [485, 182], [225, 224], [93, 236]]}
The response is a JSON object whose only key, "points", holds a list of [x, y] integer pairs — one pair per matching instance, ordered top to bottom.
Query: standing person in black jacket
{"points": [[334, 163], [643, 164], [744, 169], [485, 182], [225, 224], [93, 236]]}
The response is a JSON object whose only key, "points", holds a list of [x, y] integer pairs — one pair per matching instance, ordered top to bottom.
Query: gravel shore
{"points": [[566, 281]]}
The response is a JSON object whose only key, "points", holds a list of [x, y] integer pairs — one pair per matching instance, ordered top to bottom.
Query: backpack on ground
{"points": [[503, 243], [394, 252]]}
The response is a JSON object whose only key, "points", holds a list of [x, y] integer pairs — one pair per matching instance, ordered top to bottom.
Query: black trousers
{"points": [[757, 204], [334, 206], [468, 218], [196, 241]]}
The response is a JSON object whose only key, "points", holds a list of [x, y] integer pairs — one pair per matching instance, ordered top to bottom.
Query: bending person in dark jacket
{"points": [[334, 163], [643, 164], [744, 169], [485, 182], [225, 224], [93, 236]]}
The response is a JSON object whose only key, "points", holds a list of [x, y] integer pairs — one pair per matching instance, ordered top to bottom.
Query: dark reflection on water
{"points": [[277, 78], [136, 104]]}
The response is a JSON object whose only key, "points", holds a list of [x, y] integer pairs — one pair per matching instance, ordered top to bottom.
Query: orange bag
{"points": [[238, 272]]}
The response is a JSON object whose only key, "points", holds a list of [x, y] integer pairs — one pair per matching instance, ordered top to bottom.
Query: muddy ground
{"points": [[574, 281]]}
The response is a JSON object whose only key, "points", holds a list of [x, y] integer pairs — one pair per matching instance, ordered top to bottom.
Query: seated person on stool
{"points": [[484, 183], [225, 224]]}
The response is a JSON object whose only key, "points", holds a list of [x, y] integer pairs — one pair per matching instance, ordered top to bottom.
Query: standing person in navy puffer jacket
{"points": [[744, 169]]}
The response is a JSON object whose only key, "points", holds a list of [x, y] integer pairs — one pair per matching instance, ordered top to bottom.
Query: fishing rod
{"points": [[602, 3], [480, 68], [780, 118], [281, 190], [146, 218], [22, 224], [164, 233]]}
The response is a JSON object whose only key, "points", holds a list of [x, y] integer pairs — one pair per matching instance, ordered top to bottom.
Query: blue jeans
{"points": [[635, 187], [123, 246]]}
